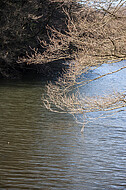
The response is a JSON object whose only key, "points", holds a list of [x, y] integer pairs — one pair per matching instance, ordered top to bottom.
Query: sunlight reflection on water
{"points": [[47, 150]]}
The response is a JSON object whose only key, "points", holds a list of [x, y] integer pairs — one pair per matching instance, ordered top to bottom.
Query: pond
{"points": [[44, 150]]}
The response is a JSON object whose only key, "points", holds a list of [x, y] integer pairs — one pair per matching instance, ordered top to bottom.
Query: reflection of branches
{"points": [[93, 37], [106, 74], [60, 100], [76, 103]]}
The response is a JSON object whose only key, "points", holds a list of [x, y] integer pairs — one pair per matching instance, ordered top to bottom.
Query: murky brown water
{"points": [[43, 150]]}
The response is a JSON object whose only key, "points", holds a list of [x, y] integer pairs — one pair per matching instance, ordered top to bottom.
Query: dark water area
{"points": [[44, 150]]}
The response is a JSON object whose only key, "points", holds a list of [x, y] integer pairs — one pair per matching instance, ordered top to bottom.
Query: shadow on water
{"points": [[43, 150]]}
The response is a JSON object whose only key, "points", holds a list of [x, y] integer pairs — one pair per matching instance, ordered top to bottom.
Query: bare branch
{"points": [[95, 34]]}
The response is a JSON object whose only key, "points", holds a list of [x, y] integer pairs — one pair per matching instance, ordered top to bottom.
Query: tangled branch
{"points": [[95, 35]]}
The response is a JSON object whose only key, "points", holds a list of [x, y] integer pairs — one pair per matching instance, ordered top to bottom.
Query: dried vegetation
{"points": [[96, 34]]}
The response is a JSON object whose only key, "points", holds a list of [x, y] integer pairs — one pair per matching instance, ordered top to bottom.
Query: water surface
{"points": [[44, 150]]}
